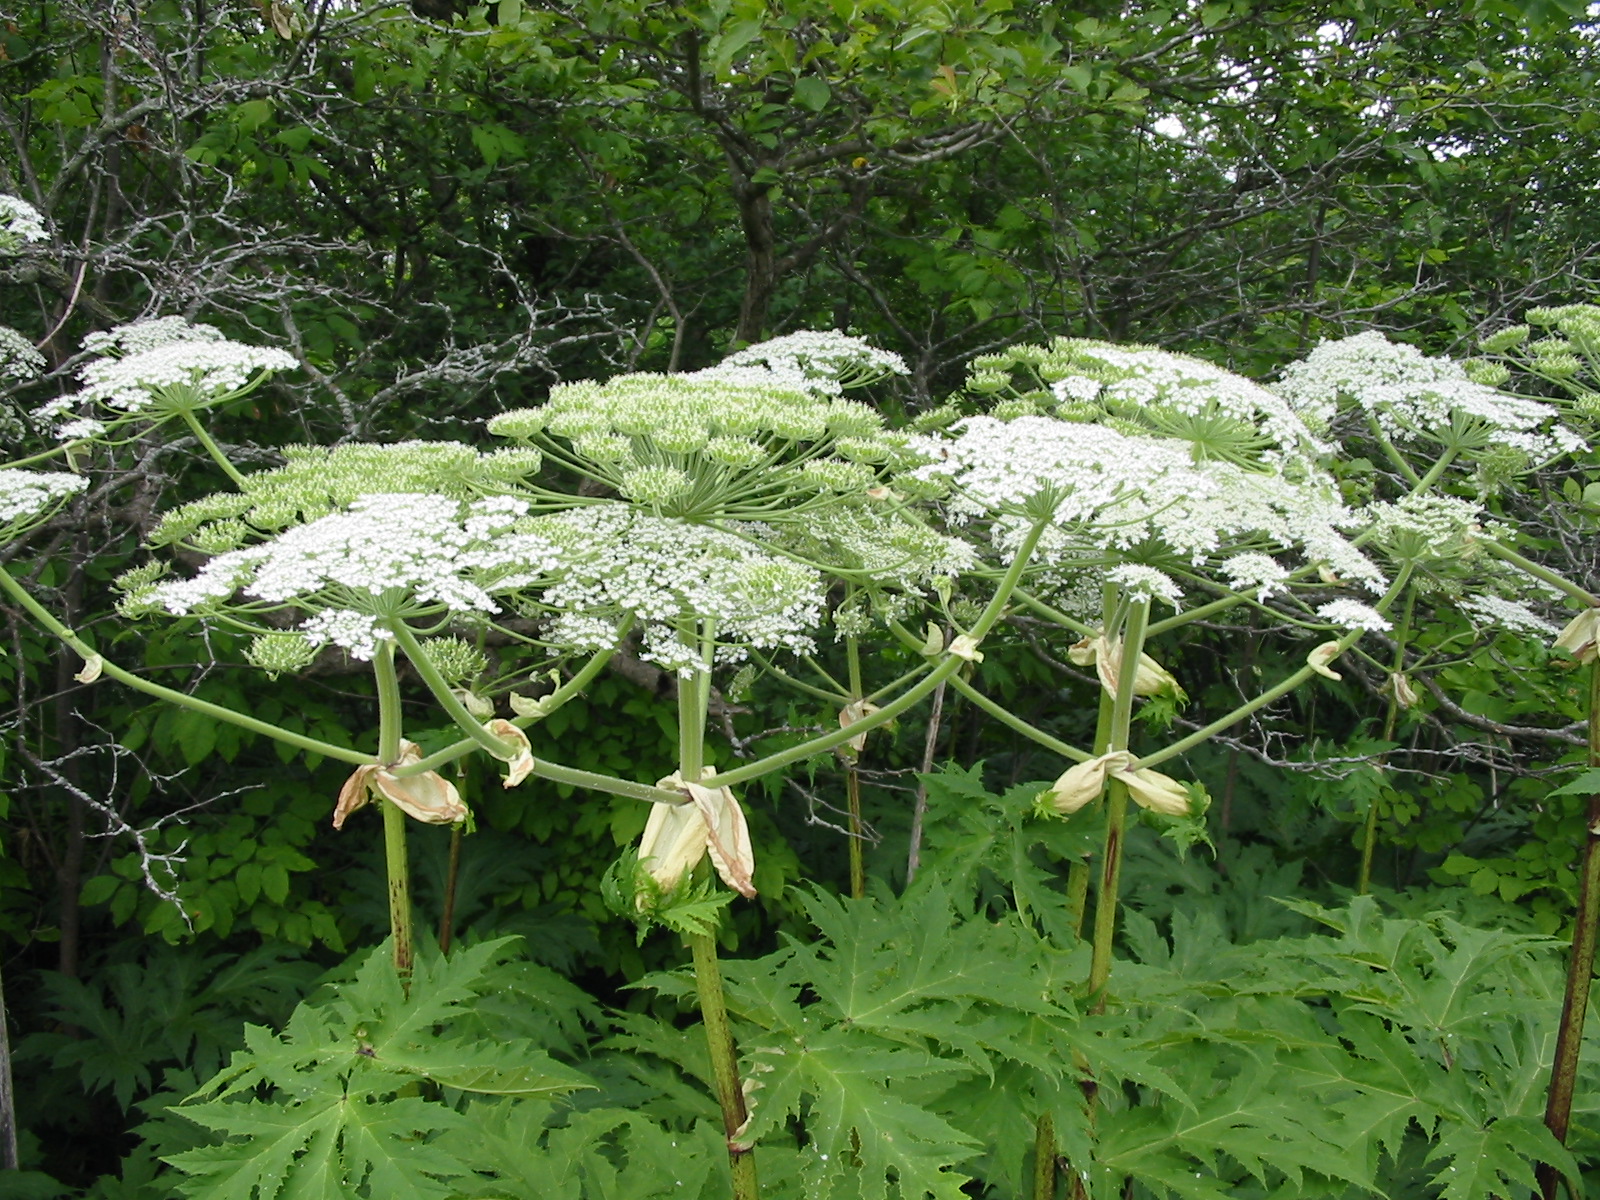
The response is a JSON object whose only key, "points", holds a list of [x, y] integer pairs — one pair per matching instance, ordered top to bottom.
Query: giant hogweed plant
{"points": [[709, 521]]}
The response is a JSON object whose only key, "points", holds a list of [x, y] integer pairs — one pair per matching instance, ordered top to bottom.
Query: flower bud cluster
{"points": [[765, 431], [317, 480]]}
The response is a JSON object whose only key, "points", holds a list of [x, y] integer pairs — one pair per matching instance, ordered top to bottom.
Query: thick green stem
{"points": [[211, 448], [1393, 455], [1446, 457], [1559, 582], [948, 666], [110, 670], [440, 687], [693, 698], [1391, 716], [1010, 719], [852, 778], [395, 860], [1078, 873], [452, 881], [1105, 908], [1580, 967], [724, 1064], [1044, 1158]]}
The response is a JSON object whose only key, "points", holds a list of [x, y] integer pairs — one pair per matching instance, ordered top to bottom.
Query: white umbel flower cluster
{"points": [[20, 223], [137, 337], [18, 358], [822, 361], [179, 375], [1413, 397], [1220, 413], [1090, 474], [1113, 492], [25, 494], [387, 557], [1260, 574], [669, 575], [1352, 614], [1512, 616]]}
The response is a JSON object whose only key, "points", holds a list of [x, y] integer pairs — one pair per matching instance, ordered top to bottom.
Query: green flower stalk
{"points": [[1391, 716], [397, 866], [1580, 966]]}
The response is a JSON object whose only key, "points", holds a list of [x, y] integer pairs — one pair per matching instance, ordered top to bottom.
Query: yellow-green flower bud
{"points": [[1579, 637], [281, 653]]}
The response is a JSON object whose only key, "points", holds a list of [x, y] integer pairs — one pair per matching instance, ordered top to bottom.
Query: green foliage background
{"points": [[444, 211]]}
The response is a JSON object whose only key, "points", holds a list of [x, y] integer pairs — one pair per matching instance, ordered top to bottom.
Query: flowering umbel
{"points": [[429, 797], [678, 836]]}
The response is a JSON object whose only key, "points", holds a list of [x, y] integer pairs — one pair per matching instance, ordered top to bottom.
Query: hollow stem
{"points": [[211, 448], [1554, 579], [47, 621], [947, 666], [437, 684], [570, 690], [693, 698], [1391, 716], [852, 779], [919, 807], [395, 859], [1078, 873], [452, 878], [1105, 908], [1580, 966], [724, 1063], [1044, 1158]]}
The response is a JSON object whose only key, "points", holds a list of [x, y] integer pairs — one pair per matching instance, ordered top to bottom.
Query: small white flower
{"points": [[19, 222], [137, 337], [18, 358], [179, 374], [1412, 396], [27, 493], [1260, 572], [1146, 583], [1352, 614], [1509, 615]]}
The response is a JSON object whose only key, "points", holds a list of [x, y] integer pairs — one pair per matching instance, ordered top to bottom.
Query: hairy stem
{"points": [[209, 445], [47, 621], [694, 696], [1391, 716], [852, 779], [919, 808], [395, 860], [1105, 908], [1580, 967], [724, 1063], [1044, 1158]]}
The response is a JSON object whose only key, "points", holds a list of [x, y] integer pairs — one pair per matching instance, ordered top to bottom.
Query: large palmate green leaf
{"points": [[329, 1107]]}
